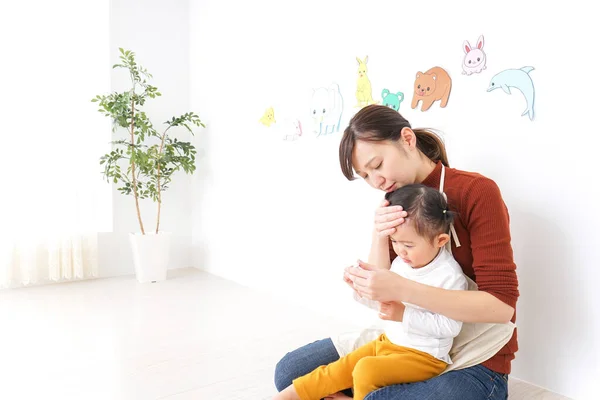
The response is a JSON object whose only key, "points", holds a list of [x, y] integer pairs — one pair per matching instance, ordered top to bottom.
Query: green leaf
{"points": [[155, 155]]}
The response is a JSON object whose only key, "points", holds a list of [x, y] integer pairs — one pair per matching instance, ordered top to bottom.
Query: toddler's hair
{"points": [[426, 207]]}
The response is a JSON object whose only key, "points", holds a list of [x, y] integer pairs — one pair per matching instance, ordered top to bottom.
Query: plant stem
{"points": [[162, 143], [133, 180]]}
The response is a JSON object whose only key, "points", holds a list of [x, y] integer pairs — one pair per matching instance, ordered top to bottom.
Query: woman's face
{"points": [[385, 165]]}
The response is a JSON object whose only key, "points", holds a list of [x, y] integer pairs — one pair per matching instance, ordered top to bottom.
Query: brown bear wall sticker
{"points": [[430, 86]]}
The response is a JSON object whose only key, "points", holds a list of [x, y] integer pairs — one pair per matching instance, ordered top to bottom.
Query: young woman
{"points": [[381, 147]]}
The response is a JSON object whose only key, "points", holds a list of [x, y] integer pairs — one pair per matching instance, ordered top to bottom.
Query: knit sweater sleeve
{"points": [[487, 221]]}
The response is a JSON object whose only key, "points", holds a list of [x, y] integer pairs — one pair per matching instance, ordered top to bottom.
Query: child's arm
{"points": [[427, 323]]}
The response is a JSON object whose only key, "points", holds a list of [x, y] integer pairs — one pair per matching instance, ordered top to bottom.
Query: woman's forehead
{"points": [[365, 151]]}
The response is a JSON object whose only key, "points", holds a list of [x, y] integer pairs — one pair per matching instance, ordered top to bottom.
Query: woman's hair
{"points": [[376, 123], [426, 207]]}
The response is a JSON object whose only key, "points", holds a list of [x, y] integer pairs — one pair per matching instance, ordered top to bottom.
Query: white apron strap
{"points": [[452, 230]]}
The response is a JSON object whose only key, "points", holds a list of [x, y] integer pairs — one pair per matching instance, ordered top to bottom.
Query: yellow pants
{"points": [[376, 364]]}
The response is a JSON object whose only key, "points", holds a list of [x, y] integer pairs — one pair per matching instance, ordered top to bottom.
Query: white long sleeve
{"points": [[426, 323], [422, 329]]}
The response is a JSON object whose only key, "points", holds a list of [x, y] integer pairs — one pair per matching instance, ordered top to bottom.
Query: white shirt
{"points": [[421, 329]]}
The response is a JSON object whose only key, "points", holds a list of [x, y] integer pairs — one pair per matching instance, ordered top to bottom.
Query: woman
{"points": [[381, 147]]}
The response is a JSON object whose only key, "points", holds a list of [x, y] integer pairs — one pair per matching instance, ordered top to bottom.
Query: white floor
{"points": [[195, 336]]}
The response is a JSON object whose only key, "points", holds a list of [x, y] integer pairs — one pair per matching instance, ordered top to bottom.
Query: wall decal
{"points": [[475, 58], [520, 80], [431, 86], [364, 94], [392, 100], [326, 108], [268, 117], [297, 131]]}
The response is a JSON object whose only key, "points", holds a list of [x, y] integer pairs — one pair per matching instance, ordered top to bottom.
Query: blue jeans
{"points": [[474, 383]]}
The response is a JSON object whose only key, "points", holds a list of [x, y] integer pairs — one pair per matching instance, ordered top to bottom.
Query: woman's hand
{"points": [[388, 218], [348, 279], [377, 284], [392, 311]]}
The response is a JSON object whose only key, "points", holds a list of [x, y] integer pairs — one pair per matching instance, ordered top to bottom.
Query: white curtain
{"points": [[53, 200], [31, 260]]}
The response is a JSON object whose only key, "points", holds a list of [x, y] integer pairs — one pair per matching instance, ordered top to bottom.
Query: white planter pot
{"points": [[150, 255]]}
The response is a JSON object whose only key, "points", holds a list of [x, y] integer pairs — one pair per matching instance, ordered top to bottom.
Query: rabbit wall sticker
{"points": [[475, 58], [291, 129]]}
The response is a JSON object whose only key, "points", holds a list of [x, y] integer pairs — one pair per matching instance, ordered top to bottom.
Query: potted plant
{"points": [[144, 161]]}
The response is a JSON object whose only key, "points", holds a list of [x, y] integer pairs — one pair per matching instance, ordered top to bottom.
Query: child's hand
{"points": [[392, 311]]}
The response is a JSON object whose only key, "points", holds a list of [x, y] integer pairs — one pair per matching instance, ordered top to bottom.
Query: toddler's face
{"points": [[415, 250]]}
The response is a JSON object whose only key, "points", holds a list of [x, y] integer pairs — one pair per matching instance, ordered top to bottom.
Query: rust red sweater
{"points": [[486, 254]]}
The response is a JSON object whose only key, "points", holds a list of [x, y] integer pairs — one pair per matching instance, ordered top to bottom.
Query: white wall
{"points": [[158, 32], [280, 216]]}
